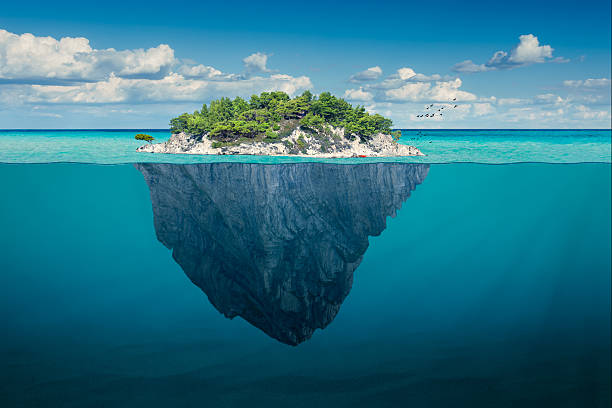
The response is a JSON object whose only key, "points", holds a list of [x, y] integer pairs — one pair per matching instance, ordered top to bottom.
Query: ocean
{"points": [[439, 146], [476, 276]]}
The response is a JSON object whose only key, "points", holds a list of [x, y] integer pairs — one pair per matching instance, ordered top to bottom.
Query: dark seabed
{"points": [[451, 285]]}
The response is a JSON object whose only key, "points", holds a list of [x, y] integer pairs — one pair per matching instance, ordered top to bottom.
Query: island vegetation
{"points": [[272, 116], [144, 137]]}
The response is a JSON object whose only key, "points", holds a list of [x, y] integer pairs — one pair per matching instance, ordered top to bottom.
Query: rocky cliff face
{"points": [[298, 143], [275, 244]]}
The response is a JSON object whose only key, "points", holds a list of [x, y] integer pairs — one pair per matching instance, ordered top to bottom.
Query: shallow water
{"points": [[439, 146], [490, 286]]}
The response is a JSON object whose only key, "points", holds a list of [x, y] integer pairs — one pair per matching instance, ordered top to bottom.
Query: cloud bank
{"points": [[528, 51], [38, 70], [370, 74], [406, 85], [405, 95]]}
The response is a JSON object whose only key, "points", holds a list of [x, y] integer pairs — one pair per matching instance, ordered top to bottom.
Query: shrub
{"points": [[144, 137], [301, 143]]}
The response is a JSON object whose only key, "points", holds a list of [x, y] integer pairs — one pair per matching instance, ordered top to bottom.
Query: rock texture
{"points": [[299, 143], [275, 244]]}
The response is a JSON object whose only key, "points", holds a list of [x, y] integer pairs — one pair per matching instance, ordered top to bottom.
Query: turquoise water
{"points": [[440, 146], [463, 285]]}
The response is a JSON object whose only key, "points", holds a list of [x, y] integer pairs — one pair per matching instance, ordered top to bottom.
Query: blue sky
{"points": [[393, 57]]}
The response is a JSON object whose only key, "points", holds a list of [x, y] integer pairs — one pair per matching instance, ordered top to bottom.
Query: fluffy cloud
{"points": [[528, 51], [27, 57], [256, 63], [43, 70], [203, 72], [406, 73], [370, 74], [590, 83], [406, 85], [173, 87], [440, 91], [358, 95], [405, 96], [548, 99], [510, 101], [481, 109], [585, 113]]}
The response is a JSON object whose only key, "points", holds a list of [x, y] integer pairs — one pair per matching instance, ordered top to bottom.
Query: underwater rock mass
{"points": [[275, 244]]}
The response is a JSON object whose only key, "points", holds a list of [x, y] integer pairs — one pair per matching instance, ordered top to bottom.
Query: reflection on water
{"points": [[275, 244]]}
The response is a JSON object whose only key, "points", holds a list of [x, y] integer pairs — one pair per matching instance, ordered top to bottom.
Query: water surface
{"points": [[440, 146]]}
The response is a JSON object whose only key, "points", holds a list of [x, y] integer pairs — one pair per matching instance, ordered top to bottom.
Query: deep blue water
{"points": [[489, 288]]}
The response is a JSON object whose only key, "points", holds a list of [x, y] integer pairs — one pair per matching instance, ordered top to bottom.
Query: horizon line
{"points": [[167, 130]]}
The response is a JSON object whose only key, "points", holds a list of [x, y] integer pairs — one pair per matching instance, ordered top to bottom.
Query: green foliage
{"points": [[273, 115], [312, 121], [270, 134], [396, 134], [145, 137], [301, 143]]}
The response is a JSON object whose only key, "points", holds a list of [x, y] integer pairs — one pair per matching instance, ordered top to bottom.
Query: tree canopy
{"points": [[263, 115], [145, 137]]}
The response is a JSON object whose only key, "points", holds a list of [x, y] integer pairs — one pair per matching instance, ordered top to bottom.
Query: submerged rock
{"points": [[275, 244]]}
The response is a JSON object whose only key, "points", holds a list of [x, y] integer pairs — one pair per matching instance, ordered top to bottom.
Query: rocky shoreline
{"points": [[329, 144]]}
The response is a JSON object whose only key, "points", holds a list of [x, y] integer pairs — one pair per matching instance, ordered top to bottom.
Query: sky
{"points": [[133, 64]]}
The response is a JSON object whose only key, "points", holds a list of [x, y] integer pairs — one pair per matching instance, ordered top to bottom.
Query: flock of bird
{"points": [[433, 112], [419, 135]]}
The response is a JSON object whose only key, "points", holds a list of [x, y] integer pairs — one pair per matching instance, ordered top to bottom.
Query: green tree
{"points": [[228, 120], [312, 121], [146, 138]]}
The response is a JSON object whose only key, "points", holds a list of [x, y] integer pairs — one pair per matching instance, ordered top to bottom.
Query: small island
{"points": [[274, 124]]}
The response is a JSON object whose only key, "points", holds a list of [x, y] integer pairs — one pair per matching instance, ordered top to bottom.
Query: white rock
{"points": [[379, 145]]}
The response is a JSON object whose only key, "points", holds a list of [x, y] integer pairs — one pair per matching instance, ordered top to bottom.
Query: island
{"points": [[273, 124]]}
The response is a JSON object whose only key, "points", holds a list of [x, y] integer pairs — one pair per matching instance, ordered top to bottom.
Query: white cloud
{"points": [[528, 51], [45, 58], [256, 63], [468, 66], [44, 70], [203, 72], [406, 73], [370, 74], [426, 78], [590, 83], [406, 85], [173, 87], [440, 91], [358, 95], [548, 99], [406, 100], [511, 101], [481, 109], [586, 113]]}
